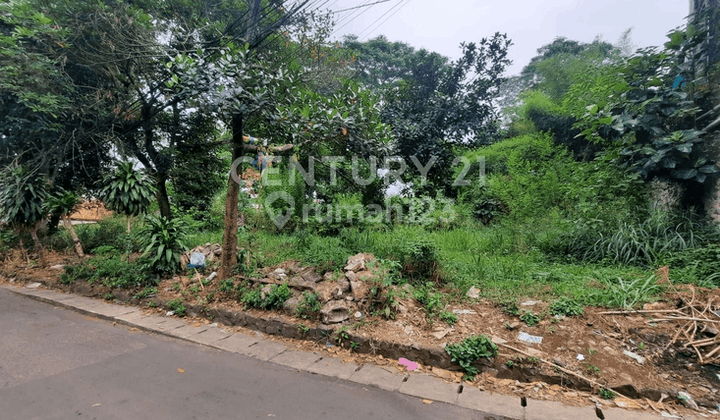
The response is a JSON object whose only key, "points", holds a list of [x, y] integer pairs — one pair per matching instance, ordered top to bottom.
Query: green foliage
{"points": [[127, 191], [22, 197], [61, 203], [108, 232], [163, 242], [420, 259], [699, 266], [110, 270], [227, 285], [146, 293], [627, 294], [273, 299], [176, 305], [309, 305], [566, 306], [448, 317], [529, 318], [469, 351], [607, 394]]}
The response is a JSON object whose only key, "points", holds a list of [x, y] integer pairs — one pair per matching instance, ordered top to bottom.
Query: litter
{"points": [[197, 260], [464, 312], [533, 339], [580, 357], [410, 365]]}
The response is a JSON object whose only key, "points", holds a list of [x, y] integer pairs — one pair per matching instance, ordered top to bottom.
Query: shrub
{"points": [[163, 242], [176, 305], [309, 305], [469, 351]]}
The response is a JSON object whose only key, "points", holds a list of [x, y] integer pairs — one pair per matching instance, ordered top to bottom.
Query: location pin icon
{"points": [[280, 219]]}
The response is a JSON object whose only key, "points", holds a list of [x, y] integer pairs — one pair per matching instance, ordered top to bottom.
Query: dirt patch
{"points": [[605, 347]]}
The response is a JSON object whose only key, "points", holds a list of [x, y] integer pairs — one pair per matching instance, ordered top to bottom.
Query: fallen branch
{"points": [[639, 312], [683, 318], [562, 369]]}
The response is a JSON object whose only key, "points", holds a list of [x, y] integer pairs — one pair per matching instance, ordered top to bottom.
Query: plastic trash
{"points": [[197, 260], [533, 339], [580, 357], [410, 365]]}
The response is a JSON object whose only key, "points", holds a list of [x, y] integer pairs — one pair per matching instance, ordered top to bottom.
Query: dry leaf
{"points": [[181, 370]]}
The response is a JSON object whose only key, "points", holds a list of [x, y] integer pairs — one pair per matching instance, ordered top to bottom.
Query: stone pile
{"points": [[211, 252], [342, 295]]}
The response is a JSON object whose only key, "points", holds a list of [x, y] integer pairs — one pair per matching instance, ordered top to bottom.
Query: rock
{"points": [[358, 262], [57, 267], [279, 271], [311, 276], [329, 276], [302, 284], [33, 285], [331, 290], [360, 290], [264, 291], [473, 293], [291, 305], [335, 312], [464, 312], [358, 315], [514, 325], [711, 331], [440, 334], [497, 340], [534, 352], [635, 356], [559, 362], [490, 371], [442, 373], [628, 390]]}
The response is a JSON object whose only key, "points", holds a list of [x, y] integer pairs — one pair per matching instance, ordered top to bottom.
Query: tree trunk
{"points": [[162, 195], [68, 225], [38, 246], [229, 246]]}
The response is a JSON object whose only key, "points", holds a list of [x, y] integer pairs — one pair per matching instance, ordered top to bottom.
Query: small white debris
{"points": [[57, 267], [211, 276], [33, 285], [473, 293], [531, 303], [464, 312], [170, 313], [533, 339], [635, 356], [580, 357]]}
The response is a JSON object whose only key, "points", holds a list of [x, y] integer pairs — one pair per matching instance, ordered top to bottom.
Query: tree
{"points": [[434, 104], [127, 191], [22, 194], [62, 204]]}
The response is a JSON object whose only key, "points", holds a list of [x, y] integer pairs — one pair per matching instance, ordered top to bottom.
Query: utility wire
{"points": [[357, 7], [397, 9]]}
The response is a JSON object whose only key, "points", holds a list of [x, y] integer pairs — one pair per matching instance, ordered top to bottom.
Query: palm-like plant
{"points": [[128, 191], [22, 194], [62, 203], [163, 242]]}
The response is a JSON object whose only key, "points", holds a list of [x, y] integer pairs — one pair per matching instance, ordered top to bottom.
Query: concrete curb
{"points": [[416, 385]]}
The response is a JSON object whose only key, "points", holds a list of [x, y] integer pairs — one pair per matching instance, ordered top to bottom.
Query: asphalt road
{"points": [[58, 364]]}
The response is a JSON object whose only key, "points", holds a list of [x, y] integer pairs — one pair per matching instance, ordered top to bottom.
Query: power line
{"points": [[357, 7], [386, 19]]}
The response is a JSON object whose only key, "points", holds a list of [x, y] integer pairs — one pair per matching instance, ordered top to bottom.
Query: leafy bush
{"points": [[110, 231], [163, 242], [420, 259], [110, 270], [627, 294], [273, 299], [176, 305], [309, 305], [566, 306], [529, 318], [469, 351]]}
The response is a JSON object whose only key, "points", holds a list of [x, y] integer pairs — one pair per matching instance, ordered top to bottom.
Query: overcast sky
{"points": [[441, 26]]}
